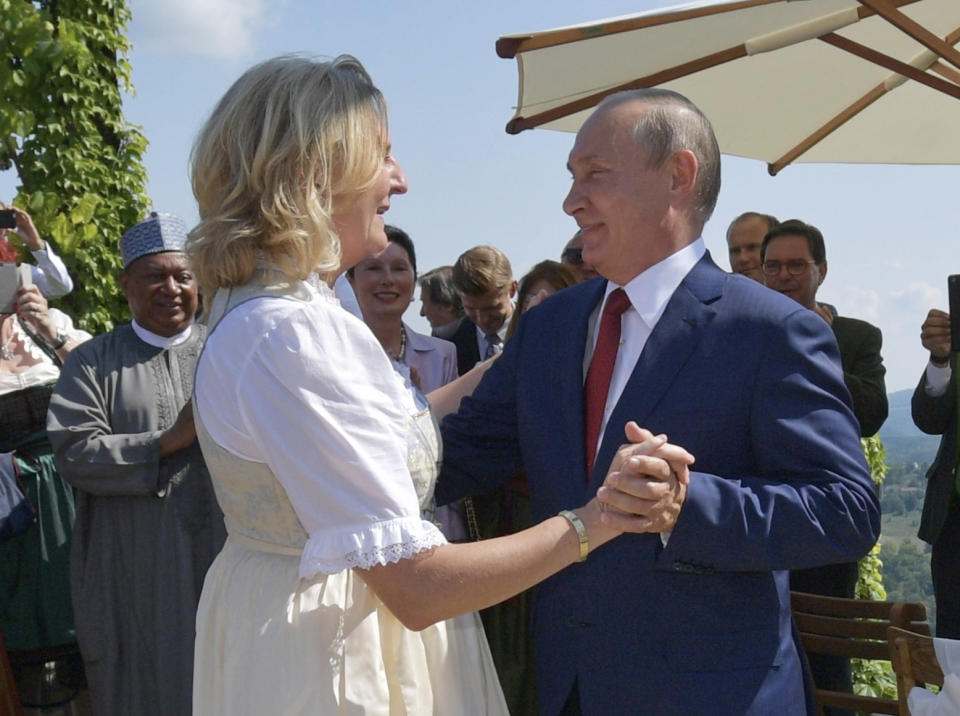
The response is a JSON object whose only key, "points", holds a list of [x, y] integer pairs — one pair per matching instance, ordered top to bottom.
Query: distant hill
{"points": [[902, 439]]}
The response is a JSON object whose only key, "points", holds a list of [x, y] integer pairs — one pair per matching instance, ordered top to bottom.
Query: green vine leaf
{"points": [[63, 67]]}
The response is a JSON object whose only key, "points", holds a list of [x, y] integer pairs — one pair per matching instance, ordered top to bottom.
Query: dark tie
{"points": [[494, 345], [601, 370]]}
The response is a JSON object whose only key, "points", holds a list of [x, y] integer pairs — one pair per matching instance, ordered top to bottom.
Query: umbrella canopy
{"points": [[872, 81]]}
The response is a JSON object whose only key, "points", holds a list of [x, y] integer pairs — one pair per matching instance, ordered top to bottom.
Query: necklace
{"points": [[403, 346], [5, 352]]}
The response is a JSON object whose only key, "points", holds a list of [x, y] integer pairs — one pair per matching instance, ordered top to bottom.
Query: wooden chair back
{"points": [[853, 628], [914, 662]]}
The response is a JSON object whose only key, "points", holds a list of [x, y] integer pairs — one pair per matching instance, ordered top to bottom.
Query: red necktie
{"points": [[601, 370]]}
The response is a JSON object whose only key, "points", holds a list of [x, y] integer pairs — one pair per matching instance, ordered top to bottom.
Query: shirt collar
{"points": [[650, 290], [502, 332], [164, 342]]}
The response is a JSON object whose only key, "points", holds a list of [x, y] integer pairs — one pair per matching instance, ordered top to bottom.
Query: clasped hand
{"points": [[647, 483]]}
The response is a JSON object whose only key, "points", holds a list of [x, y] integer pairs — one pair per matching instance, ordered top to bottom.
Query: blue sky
{"points": [[890, 231]]}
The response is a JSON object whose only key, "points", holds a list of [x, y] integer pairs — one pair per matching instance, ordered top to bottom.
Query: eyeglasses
{"points": [[572, 256], [794, 268]]}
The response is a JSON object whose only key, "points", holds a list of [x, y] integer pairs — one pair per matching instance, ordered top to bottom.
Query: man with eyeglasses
{"points": [[572, 256], [795, 264]]}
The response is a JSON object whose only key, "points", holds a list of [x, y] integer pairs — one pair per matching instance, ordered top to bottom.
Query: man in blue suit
{"points": [[688, 613]]}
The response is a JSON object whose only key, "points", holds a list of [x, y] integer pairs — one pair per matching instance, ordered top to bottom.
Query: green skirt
{"points": [[35, 610]]}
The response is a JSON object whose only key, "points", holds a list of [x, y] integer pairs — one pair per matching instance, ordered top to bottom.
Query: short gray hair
{"points": [[673, 123], [438, 284]]}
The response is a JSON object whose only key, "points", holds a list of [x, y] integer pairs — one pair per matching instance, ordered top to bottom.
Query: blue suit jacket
{"points": [[750, 383]]}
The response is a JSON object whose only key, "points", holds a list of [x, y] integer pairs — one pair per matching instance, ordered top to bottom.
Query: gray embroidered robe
{"points": [[146, 529]]}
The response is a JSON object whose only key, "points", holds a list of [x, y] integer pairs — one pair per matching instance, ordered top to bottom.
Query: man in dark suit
{"points": [[795, 264], [484, 280], [463, 334], [935, 412], [690, 614]]}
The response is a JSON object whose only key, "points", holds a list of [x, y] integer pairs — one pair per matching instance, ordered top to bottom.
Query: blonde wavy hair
{"points": [[293, 140]]}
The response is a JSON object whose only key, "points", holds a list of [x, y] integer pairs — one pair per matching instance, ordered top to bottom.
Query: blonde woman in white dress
{"points": [[332, 595]]}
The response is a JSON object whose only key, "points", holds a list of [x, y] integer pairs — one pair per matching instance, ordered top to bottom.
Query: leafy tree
{"points": [[62, 71], [874, 678]]}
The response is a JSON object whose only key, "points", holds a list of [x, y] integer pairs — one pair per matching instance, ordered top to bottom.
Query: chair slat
{"points": [[854, 628], [914, 662]]}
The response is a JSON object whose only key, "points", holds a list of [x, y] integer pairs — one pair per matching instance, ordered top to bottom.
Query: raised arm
{"points": [[49, 274], [933, 409]]}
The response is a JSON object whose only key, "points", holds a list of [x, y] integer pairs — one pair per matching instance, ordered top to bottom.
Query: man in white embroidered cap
{"points": [[147, 524]]}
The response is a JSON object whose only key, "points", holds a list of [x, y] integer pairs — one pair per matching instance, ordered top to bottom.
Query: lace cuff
{"points": [[379, 543]]}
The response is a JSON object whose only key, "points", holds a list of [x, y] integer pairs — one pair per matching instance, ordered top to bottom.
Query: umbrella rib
{"points": [[914, 29], [511, 46], [508, 47], [890, 63], [948, 72], [869, 98], [518, 124]]}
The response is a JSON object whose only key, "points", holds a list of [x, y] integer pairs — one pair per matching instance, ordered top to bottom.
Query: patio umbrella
{"points": [[866, 81]]}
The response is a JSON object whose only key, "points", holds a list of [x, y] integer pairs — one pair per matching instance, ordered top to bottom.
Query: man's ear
{"points": [[684, 171], [823, 272], [124, 280], [513, 288]]}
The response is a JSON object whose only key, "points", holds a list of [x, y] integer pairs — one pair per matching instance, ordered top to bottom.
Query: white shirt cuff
{"points": [[937, 379]]}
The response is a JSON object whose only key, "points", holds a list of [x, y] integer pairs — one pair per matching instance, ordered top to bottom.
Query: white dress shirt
{"points": [[49, 274], [649, 292], [158, 341], [483, 344], [938, 378]]}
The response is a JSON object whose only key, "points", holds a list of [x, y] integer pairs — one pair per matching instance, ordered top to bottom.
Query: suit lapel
{"points": [[672, 342]]}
